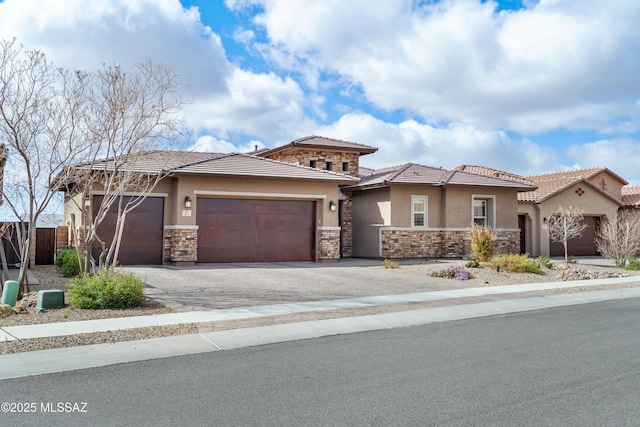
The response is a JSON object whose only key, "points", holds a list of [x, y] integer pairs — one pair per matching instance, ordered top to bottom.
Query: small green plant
{"points": [[483, 243], [571, 260], [544, 261], [68, 262], [515, 263], [633, 263], [391, 264], [472, 264], [454, 272], [107, 289]]}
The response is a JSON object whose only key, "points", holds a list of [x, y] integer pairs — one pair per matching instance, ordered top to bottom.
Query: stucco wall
{"points": [[581, 196], [371, 211]]}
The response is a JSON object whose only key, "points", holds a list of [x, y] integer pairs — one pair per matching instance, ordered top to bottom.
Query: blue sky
{"points": [[527, 86]]}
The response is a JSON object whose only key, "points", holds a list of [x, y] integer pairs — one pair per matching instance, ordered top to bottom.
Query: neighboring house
{"points": [[597, 191], [227, 208], [415, 211]]}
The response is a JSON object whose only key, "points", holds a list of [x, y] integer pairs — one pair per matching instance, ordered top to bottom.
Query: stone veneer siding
{"points": [[303, 157], [347, 227], [440, 243], [180, 245], [328, 245]]}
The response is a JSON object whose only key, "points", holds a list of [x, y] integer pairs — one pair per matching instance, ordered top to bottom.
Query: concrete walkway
{"points": [[57, 360]]}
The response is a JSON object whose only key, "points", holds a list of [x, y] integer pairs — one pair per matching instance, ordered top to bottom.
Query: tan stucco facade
{"points": [[581, 196], [386, 213]]}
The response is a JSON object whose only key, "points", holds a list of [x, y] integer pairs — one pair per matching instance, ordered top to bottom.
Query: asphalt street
{"points": [[569, 366]]}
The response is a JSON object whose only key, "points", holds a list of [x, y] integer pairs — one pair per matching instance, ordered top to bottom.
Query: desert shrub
{"points": [[483, 243], [544, 261], [67, 262], [516, 263], [633, 263], [391, 264], [472, 264], [454, 272], [107, 289]]}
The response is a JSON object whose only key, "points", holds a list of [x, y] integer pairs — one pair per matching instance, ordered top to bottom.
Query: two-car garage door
{"points": [[246, 230]]}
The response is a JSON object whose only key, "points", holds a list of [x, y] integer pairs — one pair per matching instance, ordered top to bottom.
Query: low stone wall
{"points": [[440, 243], [328, 245]]}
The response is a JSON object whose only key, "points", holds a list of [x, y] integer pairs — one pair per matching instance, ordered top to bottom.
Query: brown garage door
{"points": [[239, 230], [142, 237], [584, 246]]}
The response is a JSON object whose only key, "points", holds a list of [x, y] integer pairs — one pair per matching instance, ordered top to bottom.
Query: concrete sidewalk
{"points": [[63, 359]]}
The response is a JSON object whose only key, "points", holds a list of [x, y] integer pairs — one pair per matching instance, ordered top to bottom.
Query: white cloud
{"points": [[85, 34], [460, 60], [256, 104], [210, 144], [448, 147], [621, 155]]}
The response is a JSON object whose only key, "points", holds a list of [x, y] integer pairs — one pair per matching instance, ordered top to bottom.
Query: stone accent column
{"points": [[347, 227], [181, 244], [329, 244]]}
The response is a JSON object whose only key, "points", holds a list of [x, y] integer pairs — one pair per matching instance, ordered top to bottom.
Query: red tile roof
{"points": [[586, 173], [550, 184], [631, 195]]}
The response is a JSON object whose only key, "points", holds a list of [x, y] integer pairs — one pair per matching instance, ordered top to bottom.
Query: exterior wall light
{"points": [[87, 201], [187, 202], [332, 206]]}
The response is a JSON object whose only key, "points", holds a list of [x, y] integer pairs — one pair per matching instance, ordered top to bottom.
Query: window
{"points": [[312, 163], [329, 165], [345, 166], [483, 210], [418, 211], [480, 212]]}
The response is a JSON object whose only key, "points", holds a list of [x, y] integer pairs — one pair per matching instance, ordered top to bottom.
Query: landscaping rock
{"points": [[28, 300], [6, 310]]}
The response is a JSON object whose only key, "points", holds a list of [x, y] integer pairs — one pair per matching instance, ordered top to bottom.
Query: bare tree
{"points": [[131, 116], [40, 125], [565, 224], [619, 239]]}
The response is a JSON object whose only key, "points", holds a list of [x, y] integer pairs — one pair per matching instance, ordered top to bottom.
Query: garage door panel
{"points": [[282, 222], [240, 230], [142, 237], [284, 238], [585, 246], [227, 254], [282, 254]]}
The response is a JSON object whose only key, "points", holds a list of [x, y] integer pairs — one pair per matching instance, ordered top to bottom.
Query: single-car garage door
{"points": [[242, 230], [142, 237], [584, 246]]}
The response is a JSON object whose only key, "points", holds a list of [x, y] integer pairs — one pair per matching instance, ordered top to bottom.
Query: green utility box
{"points": [[10, 292], [49, 299]]}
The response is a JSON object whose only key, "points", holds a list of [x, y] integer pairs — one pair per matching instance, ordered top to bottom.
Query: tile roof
{"points": [[323, 142], [235, 164], [255, 166], [411, 173], [496, 173], [586, 173], [550, 184], [631, 195]]}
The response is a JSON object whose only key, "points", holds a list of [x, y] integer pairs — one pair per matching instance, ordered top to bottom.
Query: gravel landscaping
{"points": [[484, 276]]}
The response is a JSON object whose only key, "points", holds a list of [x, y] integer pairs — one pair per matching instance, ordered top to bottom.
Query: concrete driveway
{"points": [[216, 286]]}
